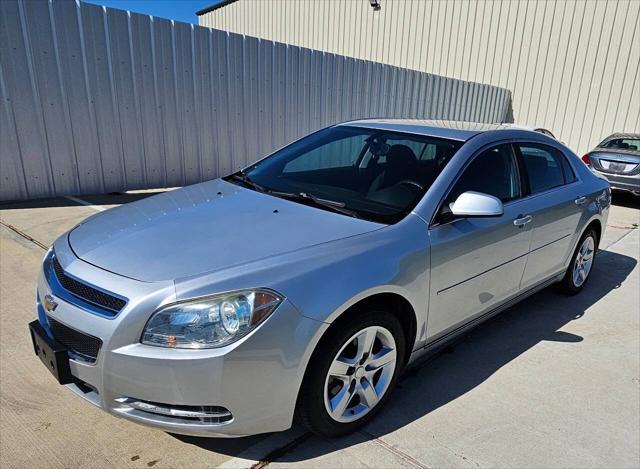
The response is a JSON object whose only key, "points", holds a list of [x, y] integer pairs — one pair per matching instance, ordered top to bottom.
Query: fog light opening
{"points": [[205, 415]]}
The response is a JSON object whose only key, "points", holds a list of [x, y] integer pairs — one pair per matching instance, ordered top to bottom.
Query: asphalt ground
{"points": [[551, 382]]}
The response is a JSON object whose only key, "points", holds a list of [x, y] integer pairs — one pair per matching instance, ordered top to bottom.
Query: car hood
{"points": [[203, 228]]}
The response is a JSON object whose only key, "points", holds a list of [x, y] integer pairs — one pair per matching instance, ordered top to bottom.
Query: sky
{"points": [[179, 10]]}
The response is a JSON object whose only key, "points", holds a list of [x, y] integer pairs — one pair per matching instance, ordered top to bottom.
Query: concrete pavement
{"points": [[552, 382]]}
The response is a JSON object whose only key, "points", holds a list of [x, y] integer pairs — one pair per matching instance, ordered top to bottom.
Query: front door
{"points": [[477, 263]]}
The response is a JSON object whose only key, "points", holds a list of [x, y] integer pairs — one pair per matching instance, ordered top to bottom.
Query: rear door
{"points": [[556, 207]]}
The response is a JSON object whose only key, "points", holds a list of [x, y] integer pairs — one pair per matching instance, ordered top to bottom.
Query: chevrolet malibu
{"points": [[303, 285]]}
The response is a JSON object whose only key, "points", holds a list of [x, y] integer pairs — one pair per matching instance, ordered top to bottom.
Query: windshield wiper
{"points": [[242, 177], [338, 207]]}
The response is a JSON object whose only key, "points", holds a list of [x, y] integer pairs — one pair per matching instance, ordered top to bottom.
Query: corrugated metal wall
{"points": [[573, 66], [95, 100]]}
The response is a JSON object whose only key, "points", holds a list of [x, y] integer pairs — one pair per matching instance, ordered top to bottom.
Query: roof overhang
{"points": [[215, 7]]}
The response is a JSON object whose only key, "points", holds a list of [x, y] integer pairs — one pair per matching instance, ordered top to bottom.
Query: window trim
{"points": [[509, 143], [551, 150], [568, 158], [567, 164], [433, 223]]}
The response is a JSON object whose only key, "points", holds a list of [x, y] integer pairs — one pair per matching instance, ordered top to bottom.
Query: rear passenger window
{"points": [[544, 167]]}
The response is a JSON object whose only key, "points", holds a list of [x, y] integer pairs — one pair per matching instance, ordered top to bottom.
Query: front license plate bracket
{"points": [[52, 354]]}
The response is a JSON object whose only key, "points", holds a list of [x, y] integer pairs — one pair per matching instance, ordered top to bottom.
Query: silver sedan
{"points": [[617, 159], [303, 285]]}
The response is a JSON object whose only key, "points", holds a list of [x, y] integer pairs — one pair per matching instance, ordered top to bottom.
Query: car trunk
{"points": [[615, 162]]}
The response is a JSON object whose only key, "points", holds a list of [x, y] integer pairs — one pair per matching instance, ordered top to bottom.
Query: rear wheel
{"points": [[581, 264], [352, 373]]}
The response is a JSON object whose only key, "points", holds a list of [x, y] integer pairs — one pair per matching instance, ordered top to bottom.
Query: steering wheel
{"points": [[411, 182]]}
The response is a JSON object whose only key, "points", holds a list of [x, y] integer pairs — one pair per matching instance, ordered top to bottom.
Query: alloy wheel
{"points": [[584, 261], [360, 374]]}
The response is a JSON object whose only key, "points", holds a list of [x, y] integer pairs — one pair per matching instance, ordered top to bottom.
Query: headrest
{"points": [[401, 155]]}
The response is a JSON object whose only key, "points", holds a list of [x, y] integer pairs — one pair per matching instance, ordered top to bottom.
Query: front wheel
{"points": [[581, 264], [352, 373]]}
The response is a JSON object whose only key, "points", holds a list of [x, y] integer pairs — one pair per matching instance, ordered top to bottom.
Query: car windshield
{"points": [[629, 144], [366, 173]]}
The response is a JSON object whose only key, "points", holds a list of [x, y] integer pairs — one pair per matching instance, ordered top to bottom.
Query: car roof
{"points": [[454, 130]]}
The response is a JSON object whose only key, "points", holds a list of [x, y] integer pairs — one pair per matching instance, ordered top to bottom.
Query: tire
{"points": [[583, 260], [351, 400]]}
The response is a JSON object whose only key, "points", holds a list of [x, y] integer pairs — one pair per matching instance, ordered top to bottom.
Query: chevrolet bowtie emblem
{"points": [[49, 303]]}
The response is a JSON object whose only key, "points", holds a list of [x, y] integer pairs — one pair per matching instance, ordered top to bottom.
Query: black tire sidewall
{"points": [[311, 403]]}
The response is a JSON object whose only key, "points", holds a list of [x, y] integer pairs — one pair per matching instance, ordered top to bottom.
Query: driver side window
{"points": [[493, 172]]}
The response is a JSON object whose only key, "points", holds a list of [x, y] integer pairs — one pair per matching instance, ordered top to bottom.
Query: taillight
{"points": [[586, 159]]}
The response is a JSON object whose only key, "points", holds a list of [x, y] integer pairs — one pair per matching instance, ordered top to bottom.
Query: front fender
{"points": [[323, 281]]}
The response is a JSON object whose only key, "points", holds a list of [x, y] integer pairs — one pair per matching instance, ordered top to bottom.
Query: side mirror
{"points": [[476, 204]]}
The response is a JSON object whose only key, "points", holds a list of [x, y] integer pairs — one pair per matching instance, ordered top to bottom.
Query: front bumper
{"points": [[255, 379]]}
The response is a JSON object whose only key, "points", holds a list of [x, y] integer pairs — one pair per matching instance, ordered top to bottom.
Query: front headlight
{"points": [[210, 322]]}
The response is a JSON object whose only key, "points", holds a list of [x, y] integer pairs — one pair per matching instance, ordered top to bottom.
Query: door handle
{"points": [[580, 200], [522, 220]]}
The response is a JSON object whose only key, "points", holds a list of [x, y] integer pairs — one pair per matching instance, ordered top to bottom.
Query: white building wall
{"points": [[572, 65]]}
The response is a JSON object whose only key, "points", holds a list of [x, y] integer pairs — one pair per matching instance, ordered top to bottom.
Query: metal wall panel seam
{"points": [[555, 56], [564, 64], [573, 64], [604, 66], [615, 68], [591, 70], [635, 75], [635, 79], [36, 97], [114, 98], [136, 100], [90, 101], [65, 102], [157, 111], [578, 112], [199, 130], [22, 190]]}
